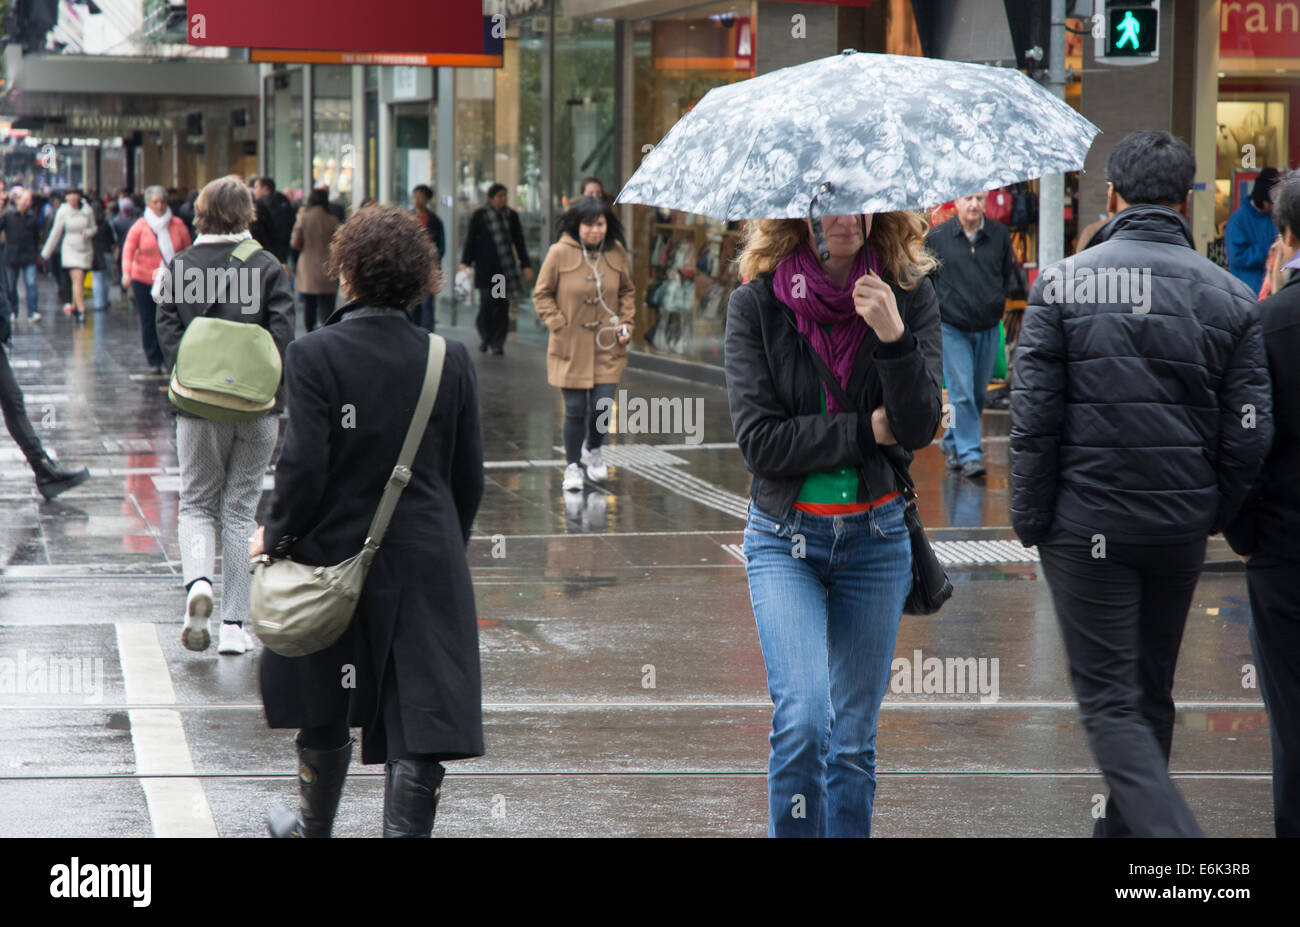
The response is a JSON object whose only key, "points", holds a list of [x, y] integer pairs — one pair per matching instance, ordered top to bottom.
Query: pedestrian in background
{"points": [[421, 196], [273, 226], [21, 232], [1250, 232], [72, 234], [311, 235], [154, 239], [494, 247], [102, 257], [977, 267], [63, 285], [586, 297], [1139, 419], [222, 463], [823, 487], [1265, 531], [414, 639]]}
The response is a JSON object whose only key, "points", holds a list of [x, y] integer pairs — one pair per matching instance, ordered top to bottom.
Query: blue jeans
{"points": [[28, 273], [424, 314], [968, 359], [827, 622]]}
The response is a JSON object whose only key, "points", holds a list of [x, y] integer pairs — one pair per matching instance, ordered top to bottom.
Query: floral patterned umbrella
{"points": [[879, 132]]}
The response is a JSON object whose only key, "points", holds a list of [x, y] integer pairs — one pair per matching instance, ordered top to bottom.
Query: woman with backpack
{"points": [[73, 233], [150, 245], [832, 368], [222, 463]]}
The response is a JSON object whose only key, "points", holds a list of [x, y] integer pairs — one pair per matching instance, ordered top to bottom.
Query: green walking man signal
{"points": [[1132, 32]]}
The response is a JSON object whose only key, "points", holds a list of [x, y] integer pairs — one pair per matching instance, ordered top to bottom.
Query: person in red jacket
{"points": [[156, 238]]}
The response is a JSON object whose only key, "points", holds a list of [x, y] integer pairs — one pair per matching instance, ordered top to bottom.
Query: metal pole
{"points": [[308, 128], [360, 175], [1051, 189]]}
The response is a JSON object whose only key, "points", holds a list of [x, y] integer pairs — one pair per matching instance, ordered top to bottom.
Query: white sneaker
{"points": [[594, 461], [573, 478], [198, 609], [234, 639]]}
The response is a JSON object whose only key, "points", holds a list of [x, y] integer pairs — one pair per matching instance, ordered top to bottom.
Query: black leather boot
{"points": [[51, 479], [321, 774], [411, 791]]}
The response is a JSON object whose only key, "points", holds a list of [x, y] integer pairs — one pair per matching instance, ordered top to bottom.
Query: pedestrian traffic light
{"points": [[1127, 32]]}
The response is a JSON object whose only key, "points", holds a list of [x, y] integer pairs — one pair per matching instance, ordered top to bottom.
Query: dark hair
{"points": [[1152, 167], [586, 180], [267, 182], [1263, 184], [425, 189], [495, 189], [319, 197], [1286, 203], [224, 207], [588, 209], [385, 255]]}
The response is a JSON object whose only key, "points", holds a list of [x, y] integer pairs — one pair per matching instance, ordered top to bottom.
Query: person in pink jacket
{"points": [[153, 241]]}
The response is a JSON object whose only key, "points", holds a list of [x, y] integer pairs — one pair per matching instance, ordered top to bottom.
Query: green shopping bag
{"points": [[1000, 360]]}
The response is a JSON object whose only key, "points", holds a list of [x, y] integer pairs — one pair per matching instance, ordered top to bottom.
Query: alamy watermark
{"points": [[1065, 283], [192, 284], [658, 415], [36, 674], [922, 675]]}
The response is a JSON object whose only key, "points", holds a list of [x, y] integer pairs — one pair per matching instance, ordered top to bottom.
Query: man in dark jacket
{"points": [[420, 199], [273, 223], [494, 239], [22, 245], [978, 267], [1140, 414], [1264, 532]]}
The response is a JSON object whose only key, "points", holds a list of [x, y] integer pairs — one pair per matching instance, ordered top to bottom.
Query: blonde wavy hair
{"points": [[898, 237]]}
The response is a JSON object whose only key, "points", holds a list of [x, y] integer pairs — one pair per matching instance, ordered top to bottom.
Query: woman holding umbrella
{"points": [[828, 553]]}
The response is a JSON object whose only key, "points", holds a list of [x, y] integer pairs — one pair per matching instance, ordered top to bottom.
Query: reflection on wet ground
{"points": [[623, 681]]}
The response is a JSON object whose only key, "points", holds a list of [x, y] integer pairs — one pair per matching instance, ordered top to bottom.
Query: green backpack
{"points": [[226, 371]]}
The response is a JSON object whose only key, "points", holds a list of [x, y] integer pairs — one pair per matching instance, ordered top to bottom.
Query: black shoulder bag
{"points": [[930, 584]]}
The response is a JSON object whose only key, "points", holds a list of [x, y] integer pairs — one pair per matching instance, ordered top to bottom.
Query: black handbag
{"points": [[930, 584]]}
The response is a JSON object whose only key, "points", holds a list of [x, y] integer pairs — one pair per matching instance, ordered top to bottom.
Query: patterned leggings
{"points": [[222, 465]]}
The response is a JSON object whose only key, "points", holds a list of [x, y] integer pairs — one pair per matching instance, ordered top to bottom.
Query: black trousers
{"points": [[316, 307], [493, 319], [15, 412], [582, 418], [1122, 619], [1275, 638]]}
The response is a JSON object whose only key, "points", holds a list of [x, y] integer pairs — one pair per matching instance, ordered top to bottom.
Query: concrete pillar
{"points": [[308, 112], [1205, 120], [384, 146], [360, 176], [445, 181]]}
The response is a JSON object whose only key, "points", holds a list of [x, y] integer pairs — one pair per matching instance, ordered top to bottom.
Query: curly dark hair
{"points": [[385, 256]]}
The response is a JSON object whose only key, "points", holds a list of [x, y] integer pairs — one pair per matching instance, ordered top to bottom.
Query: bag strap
{"points": [[245, 249], [832, 383], [414, 434]]}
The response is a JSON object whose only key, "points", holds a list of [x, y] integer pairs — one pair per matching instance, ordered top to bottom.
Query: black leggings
{"points": [[583, 418]]}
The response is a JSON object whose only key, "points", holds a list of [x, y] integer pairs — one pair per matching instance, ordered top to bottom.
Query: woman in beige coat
{"points": [[73, 234], [311, 236], [585, 296]]}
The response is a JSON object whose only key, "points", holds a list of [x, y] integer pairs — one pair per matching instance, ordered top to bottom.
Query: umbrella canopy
{"points": [[886, 132]]}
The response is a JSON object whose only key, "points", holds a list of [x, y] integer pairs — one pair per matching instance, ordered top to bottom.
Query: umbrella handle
{"points": [[819, 234]]}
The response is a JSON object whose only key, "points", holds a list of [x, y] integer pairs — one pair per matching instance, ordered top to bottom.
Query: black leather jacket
{"points": [[774, 392]]}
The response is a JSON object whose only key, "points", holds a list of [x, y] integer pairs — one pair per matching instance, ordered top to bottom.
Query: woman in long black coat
{"points": [[407, 670]]}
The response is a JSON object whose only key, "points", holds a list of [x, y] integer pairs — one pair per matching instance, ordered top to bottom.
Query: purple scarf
{"points": [[822, 301]]}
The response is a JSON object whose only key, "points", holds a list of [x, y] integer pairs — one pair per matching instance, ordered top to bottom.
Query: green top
{"points": [[829, 487]]}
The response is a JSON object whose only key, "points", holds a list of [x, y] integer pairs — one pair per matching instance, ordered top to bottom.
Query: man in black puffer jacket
{"points": [[1140, 414]]}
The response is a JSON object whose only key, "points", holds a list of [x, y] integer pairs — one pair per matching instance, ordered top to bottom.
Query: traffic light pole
{"points": [[1051, 188]]}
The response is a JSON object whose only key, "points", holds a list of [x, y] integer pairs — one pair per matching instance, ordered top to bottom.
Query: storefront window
{"points": [[583, 110], [332, 156], [413, 156], [518, 162], [685, 268]]}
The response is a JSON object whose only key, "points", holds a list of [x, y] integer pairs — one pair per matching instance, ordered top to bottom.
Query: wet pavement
{"points": [[623, 683]]}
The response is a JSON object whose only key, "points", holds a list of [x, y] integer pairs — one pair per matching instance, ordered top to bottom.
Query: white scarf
{"points": [[160, 225], [231, 238]]}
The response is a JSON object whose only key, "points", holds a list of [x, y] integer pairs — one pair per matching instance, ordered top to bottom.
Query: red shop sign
{"points": [[410, 26], [1260, 29]]}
